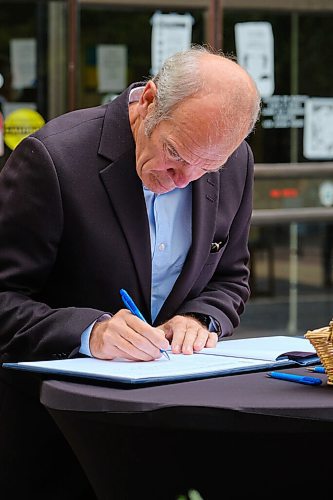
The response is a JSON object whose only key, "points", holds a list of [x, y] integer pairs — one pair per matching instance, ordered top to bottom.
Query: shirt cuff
{"points": [[214, 325]]}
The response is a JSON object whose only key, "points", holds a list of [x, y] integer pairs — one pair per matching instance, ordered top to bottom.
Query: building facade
{"points": [[50, 63]]}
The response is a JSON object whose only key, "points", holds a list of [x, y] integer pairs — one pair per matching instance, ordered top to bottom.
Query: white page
{"points": [[265, 348]]}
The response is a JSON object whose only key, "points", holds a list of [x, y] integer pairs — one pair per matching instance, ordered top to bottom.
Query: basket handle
{"points": [[331, 329]]}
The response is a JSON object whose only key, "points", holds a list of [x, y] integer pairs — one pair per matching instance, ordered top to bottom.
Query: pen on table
{"points": [[130, 305], [317, 369], [290, 377]]}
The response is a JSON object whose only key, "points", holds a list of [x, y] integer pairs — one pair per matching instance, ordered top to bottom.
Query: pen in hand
{"points": [[130, 305]]}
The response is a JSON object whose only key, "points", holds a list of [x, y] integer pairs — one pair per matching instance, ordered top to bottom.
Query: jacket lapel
{"points": [[124, 188], [126, 196]]}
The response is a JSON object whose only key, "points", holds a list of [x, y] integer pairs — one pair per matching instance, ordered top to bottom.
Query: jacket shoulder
{"points": [[71, 120]]}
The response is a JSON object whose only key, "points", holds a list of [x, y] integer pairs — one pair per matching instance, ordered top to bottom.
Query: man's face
{"points": [[180, 150]]}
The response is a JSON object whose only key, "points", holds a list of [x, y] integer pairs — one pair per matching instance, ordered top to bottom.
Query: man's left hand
{"points": [[186, 334]]}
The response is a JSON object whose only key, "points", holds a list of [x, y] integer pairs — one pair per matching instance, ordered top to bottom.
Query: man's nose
{"points": [[179, 177]]}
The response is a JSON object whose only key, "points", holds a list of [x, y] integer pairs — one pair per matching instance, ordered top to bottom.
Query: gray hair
{"points": [[180, 78]]}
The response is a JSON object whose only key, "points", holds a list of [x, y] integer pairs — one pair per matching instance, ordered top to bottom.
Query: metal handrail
{"points": [[293, 170], [271, 216], [261, 217]]}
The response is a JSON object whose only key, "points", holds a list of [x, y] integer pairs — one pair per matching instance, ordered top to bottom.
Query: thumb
{"points": [[167, 330]]}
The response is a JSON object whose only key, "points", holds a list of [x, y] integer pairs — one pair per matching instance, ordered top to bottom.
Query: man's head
{"points": [[191, 117]]}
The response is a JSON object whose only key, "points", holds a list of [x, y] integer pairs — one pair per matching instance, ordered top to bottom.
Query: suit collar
{"points": [[116, 135]]}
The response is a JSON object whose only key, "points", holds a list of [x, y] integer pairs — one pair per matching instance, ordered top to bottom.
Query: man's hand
{"points": [[187, 334], [126, 336]]}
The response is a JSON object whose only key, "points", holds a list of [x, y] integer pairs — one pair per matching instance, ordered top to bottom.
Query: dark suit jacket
{"points": [[74, 230]]}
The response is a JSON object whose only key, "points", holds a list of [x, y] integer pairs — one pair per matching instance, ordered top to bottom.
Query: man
{"points": [[151, 193]]}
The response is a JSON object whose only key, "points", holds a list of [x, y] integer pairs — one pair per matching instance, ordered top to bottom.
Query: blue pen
{"points": [[130, 305], [317, 369], [300, 379]]}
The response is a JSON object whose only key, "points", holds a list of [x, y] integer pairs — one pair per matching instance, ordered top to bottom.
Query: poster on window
{"points": [[171, 33], [255, 53], [23, 62], [111, 67], [318, 129]]}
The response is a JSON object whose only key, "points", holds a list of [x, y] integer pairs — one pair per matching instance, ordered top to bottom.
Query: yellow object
{"points": [[19, 124], [322, 341]]}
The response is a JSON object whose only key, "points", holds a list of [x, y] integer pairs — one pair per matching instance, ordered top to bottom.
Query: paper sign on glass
{"points": [[255, 53], [318, 128]]}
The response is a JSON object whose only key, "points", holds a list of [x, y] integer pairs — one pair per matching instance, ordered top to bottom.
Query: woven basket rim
{"points": [[325, 330], [322, 341]]}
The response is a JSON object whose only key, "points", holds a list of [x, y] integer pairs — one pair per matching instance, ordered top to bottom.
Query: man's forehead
{"points": [[189, 136], [195, 152]]}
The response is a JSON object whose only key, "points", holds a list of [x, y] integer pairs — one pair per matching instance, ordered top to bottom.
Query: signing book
{"points": [[228, 357]]}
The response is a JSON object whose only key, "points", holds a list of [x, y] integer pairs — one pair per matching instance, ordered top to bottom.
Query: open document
{"points": [[275, 348], [229, 357]]}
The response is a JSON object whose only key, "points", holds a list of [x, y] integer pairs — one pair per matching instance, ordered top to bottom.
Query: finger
{"points": [[174, 330], [168, 331], [183, 332], [184, 335], [155, 336], [195, 338], [138, 339], [212, 339], [178, 340], [201, 341], [120, 344], [137, 348], [115, 352]]}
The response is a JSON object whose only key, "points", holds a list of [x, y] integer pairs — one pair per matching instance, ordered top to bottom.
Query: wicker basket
{"points": [[322, 341]]}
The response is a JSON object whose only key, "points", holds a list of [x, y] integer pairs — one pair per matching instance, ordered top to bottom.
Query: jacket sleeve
{"points": [[31, 225]]}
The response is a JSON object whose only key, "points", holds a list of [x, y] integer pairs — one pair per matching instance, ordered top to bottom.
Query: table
{"points": [[247, 433]]}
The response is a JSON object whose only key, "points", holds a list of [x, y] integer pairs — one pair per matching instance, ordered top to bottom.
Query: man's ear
{"points": [[147, 98]]}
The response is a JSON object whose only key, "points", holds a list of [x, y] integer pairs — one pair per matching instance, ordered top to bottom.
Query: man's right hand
{"points": [[126, 336]]}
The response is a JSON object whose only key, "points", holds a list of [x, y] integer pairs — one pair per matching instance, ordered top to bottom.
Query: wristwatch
{"points": [[204, 319]]}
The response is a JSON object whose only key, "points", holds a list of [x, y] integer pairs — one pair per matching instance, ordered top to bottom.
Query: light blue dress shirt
{"points": [[170, 223]]}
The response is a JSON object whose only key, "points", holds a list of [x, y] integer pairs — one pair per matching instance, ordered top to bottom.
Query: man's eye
{"points": [[174, 155]]}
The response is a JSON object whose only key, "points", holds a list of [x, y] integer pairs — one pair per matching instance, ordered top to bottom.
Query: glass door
{"points": [[32, 68]]}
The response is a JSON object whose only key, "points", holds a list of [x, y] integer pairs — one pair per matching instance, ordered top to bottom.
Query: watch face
{"points": [[205, 320]]}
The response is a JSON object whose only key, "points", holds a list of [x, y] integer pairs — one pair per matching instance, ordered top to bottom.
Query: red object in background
{"points": [[284, 193]]}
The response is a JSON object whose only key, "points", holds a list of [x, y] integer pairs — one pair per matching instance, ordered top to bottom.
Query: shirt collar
{"points": [[135, 94]]}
